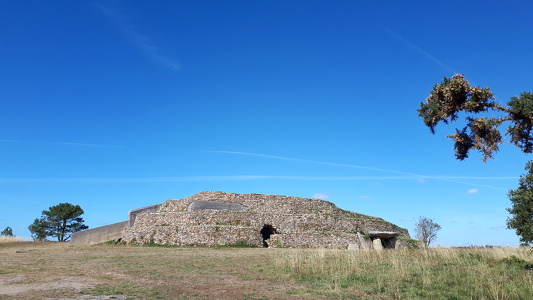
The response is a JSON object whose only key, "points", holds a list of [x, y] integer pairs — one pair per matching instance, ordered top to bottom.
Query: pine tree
{"points": [[59, 221]]}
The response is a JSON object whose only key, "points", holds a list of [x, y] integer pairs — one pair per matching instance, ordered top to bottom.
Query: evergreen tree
{"points": [[522, 211], [59, 221], [38, 230], [7, 232]]}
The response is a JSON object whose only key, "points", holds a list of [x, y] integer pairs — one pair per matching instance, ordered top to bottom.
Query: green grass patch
{"points": [[410, 243]]}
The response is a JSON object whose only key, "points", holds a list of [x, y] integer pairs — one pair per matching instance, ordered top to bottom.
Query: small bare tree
{"points": [[426, 231]]}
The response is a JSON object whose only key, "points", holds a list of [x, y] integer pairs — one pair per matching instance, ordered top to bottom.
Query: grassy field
{"points": [[59, 271]]}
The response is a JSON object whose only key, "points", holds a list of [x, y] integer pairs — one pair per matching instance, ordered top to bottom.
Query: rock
{"points": [[203, 205], [382, 234], [362, 241], [377, 244], [353, 246]]}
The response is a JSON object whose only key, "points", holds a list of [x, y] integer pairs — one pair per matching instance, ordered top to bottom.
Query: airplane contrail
{"points": [[140, 40], [418, 49], [400, 175], [218, 178], [442, 178]]}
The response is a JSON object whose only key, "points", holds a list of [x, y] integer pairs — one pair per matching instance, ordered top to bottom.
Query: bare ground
{"points": [[60, 271]]}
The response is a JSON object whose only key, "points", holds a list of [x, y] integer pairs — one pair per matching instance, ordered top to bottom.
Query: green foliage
{"points": [[455, 95], [450, 97], [521, 112], [521, 218], [59, 221], [38, 230], [426, 230], [7, 232], [410, 243], [514, 262]]}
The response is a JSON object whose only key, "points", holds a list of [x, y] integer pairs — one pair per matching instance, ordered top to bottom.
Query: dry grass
{"points": [[8, 239], [13, 239], [58, 270], [140, 272], [496, 273]]}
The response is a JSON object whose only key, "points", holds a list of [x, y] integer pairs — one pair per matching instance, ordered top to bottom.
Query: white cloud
{"points": [[421, 180], [472, 191], [321, 196], [365, 197]]}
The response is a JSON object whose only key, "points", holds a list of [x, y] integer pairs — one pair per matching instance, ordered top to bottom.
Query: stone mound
{"points": [[218, 218]]}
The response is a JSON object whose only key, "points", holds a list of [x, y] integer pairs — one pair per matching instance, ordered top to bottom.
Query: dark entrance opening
{"points": [[266, 232], [389, 243]]}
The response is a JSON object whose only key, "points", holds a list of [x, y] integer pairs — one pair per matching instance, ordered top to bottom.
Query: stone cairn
{"points": [[218, 218]]}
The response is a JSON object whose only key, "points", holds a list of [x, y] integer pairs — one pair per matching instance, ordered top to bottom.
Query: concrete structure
{"points": [[145, 210], [217, 218], [98, 235]]}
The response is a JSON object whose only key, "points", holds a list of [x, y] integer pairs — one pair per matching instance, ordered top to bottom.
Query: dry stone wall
{"points": [[241, 218]]}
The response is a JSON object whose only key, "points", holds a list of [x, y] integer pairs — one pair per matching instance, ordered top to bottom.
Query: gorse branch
{"points": [[455, 95]]}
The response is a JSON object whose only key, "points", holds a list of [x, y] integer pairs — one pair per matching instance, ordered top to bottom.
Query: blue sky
{"points": [[116, 105]]}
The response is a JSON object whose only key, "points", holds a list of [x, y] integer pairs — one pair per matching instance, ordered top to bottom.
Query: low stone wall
{"points": [[99, 234]]}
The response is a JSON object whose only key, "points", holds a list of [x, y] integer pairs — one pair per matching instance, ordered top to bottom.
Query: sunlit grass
{"points": [[10, 239], [275, 273], [496, 273]]}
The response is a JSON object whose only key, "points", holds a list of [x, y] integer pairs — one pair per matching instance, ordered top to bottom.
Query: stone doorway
{"points": [[266, 232], [383, 239]]}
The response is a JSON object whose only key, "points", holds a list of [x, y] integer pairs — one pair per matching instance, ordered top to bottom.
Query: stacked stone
{"points": [[299, 222]]}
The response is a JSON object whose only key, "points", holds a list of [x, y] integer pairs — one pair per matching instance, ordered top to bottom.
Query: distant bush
{"points": [[410, 243], [515, 262]]}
